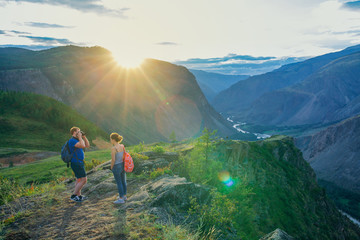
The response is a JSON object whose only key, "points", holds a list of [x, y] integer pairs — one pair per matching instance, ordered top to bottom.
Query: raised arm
{"points": [[81, 143], [87, 144]]}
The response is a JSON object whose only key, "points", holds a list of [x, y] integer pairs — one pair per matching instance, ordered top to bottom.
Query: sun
{"points": [[127, 61]]}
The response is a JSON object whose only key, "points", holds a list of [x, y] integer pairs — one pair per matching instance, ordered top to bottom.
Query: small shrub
{"points": [[139, 148], [158, 149], [137, 158], [11, 164], [92, 164], [160, 171], [9, 190], [219, 214], [9, 220], [175, 232]]}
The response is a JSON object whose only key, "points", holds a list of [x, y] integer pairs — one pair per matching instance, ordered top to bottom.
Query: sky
{"points": [[184, 30]]}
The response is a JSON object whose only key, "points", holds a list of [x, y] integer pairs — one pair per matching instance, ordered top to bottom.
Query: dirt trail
{"points": [[24, 158], [95, 218]]}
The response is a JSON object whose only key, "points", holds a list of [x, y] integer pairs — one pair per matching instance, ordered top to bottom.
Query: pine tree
{"points": [[172, 137]]}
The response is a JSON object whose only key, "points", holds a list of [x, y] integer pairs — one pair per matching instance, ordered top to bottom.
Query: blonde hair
{"points": [[73, 129], [117, 137]]}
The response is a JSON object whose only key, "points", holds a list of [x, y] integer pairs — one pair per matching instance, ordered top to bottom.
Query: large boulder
{"points": [[169, 156], [155, 160], [150, 165], [101, 183], [176, 191], [168, 197]]}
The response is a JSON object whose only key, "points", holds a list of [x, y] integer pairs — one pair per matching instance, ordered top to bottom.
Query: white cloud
{"points": [[205, 28]]}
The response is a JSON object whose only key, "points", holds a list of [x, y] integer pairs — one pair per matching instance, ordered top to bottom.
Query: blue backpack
{"points": [[66, 155]]}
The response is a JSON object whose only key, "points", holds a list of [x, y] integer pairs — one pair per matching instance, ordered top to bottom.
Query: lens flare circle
{"points": [[224, 177]]}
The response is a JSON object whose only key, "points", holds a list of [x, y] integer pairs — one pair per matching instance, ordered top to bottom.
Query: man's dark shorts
{"points": [[79, 170]]}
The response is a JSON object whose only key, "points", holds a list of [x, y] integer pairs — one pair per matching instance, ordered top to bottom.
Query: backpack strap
{"points": [[73, 153]]}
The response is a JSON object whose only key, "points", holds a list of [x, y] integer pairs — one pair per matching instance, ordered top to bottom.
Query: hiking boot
{"points": [[82, 197], [75, 198], [119, 201]]}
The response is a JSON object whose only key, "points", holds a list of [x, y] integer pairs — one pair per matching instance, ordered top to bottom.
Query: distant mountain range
{"points": [[234, 64], [213, 83], [319, 90], [144, 104]]}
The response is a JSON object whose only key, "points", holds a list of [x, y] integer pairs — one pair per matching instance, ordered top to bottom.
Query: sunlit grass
{"points": [[48, 169]]}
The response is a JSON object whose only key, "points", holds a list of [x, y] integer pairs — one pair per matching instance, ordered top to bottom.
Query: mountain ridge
{"points": [[213, 83], [241, 95], [159, 97], [315, 100]]}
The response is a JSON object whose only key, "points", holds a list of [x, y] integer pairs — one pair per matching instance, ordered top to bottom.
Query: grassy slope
{"points": [[33, 121], [49, 169], [285, 192]]}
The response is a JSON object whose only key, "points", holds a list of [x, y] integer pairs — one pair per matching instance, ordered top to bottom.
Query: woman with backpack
{"points": [[117, 166]]}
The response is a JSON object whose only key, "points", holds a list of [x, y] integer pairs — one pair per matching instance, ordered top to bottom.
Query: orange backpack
{"points": [[128, 162]]}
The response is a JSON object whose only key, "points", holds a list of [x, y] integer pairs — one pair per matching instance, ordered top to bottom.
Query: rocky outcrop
{"points": [[334, 153], [170, 156], [154, 161], [149, 165], [168, 196], [278, 234]]}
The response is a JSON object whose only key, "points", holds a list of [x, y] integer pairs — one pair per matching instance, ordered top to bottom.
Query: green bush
{"points": [[139, 148], [158, 149], [138, 158], [92, 164], [160, 171], [11, 190], [218, 214]]}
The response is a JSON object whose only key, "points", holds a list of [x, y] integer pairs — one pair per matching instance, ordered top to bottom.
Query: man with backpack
{"points": [[76, 145]]}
